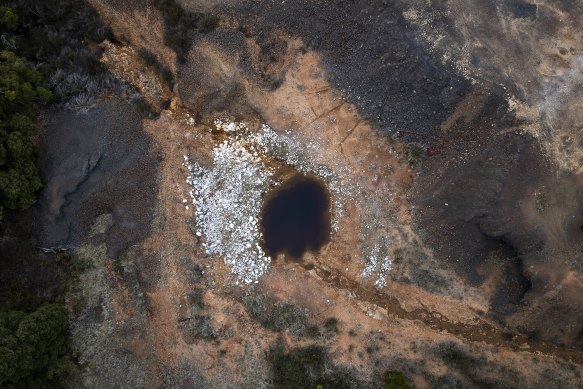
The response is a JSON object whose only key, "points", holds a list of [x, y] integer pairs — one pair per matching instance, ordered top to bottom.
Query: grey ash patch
{"points": [[522, 9], [94, 164]]}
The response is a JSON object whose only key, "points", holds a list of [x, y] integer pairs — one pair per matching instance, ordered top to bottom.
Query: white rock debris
{"points": [[286, 147], [228, 196], [228, 201], [378, 263]]}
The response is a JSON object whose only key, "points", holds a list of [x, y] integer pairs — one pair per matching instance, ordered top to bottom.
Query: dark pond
{"points": [[296, 217]]}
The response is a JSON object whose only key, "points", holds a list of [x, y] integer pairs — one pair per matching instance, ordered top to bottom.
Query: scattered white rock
{"points": [[228, 196], [228, 201], [378, 262]]}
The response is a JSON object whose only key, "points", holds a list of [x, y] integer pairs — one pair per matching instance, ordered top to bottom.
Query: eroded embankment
{"points": [[484, 331]]}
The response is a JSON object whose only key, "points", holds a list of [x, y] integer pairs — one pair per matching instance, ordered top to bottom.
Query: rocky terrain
{"points": [[449, 138]]}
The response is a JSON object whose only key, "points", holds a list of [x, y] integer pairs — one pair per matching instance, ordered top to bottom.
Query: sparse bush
{"points": [[180, 23], [247, 33], [53, 36], [41, 37], [149, 58], [164, 72], [168, 77], [274, 82], [80, 103], [142, 105], [195, 273], [195, 300], [278, 315], [199, 324], [331, 326], [202, 328], [453, 355], [309, 367], [479, 371], [449, 382]]}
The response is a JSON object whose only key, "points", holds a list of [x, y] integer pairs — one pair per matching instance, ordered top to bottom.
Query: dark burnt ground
{"points": [[370, 53], [210, 81], [93, 164], [460, 192], [491, 206], [28, 277]]}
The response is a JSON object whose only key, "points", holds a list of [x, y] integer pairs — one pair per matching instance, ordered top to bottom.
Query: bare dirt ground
{"points": [[480, 218]]}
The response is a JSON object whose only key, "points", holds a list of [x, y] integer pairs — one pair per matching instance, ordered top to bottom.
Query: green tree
{"points": [[8, 19], [21, 90], [34, 348], [397, 380]]}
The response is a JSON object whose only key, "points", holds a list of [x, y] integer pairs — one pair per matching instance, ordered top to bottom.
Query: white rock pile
{"points": [[228, 195], [227, 198]]}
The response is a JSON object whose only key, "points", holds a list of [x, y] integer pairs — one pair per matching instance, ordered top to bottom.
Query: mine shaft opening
{"points": [[296, 217]]}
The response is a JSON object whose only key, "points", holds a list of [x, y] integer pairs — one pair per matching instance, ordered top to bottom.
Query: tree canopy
{"points": [[21, 88], [34, 348]]}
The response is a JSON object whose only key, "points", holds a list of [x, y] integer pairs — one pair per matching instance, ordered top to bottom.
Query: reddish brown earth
{"points": [[482, 212]]}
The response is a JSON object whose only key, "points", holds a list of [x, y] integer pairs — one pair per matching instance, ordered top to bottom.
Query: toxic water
{"points": [[296, 218]]}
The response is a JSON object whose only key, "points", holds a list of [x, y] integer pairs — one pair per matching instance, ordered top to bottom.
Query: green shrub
{"points": [[8, 19], [53, 35], [414, 154], [278, 315], [331, 326], [309, 367], [299, 368], [397, 380]]}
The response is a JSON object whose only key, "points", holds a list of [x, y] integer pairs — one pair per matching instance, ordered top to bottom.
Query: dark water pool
{"points": [[296, 217]]}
